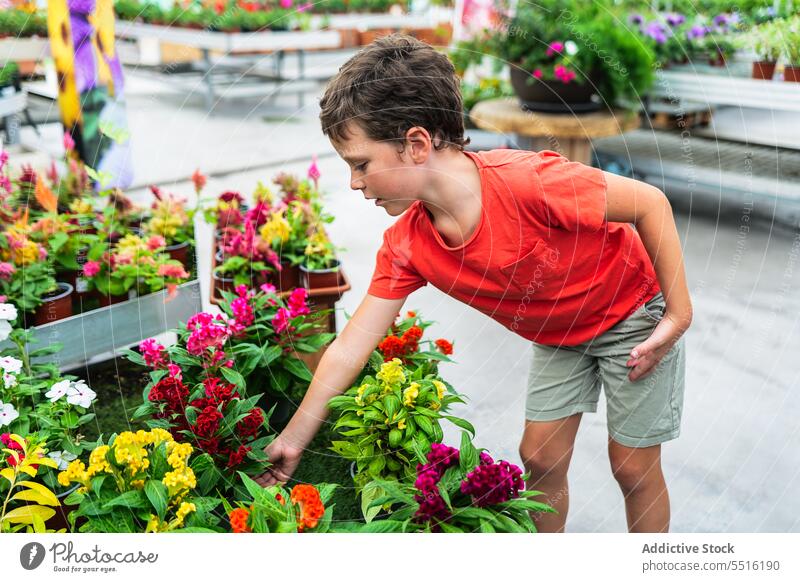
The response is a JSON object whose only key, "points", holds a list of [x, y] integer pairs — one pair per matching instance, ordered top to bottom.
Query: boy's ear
{"points": [[418, 144]]}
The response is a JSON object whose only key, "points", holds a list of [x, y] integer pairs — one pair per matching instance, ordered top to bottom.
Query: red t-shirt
{"points": [[543, 261]]}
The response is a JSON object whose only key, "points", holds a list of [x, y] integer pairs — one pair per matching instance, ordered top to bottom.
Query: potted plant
{"points": [[764, 41], [791, 43], [554, 56], [171, 220], [245, 259], [320, 267], [383, 419], [140, 482], [459, 491], [278, 510]]}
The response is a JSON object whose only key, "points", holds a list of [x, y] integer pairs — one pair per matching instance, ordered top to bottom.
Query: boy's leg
{"points": [[546, 451], [638, 472]]}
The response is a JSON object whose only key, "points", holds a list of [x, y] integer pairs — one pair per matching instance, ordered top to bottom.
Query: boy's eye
{"points": [[361, 167]]}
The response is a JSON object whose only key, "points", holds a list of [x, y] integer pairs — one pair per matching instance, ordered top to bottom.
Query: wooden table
{"points": [[568, 134]]}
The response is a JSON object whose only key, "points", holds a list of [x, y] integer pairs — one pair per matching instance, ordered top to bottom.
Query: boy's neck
{"points": [[453, 199]]}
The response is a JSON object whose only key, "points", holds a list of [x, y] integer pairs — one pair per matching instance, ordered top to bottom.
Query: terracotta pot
{"points": [[367, 36], [350, 37], [717, 60], [764, 70], [791, 73], [553, 96], [180, 252], [289, 277], [320, 278], [222, 284], [58, 305]]}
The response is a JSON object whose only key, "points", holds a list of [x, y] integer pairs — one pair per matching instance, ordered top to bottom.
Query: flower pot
{"points": [[368, 36], [349, 37], [717, 59], [764, 70], [791, 73], [553, 96], [180, 252], [289, 277], [320, 278], [222, 283], [57, 305], [61, 519]]}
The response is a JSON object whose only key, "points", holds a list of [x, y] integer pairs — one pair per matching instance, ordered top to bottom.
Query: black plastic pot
{"points": [[553, 96]]}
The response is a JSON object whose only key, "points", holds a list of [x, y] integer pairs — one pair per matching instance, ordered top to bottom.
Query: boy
{"points": [[541, 244]]}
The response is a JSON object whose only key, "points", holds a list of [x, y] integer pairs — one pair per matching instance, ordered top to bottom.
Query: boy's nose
{"points": [[356, 183]]}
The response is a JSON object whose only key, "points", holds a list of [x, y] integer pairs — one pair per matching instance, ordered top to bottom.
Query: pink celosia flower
{"points": [[554, 47], [537, 73], [69, 143], [156, 242], [91, 268], [6, 270], [172, 271], [268, 288], [297, 302], [280, 322], [206, 332], [153, 353], [174, 371]]}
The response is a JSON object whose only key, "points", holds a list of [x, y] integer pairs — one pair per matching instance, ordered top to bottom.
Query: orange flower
{"points": [[412, 314], [444, 346], [307, 498], [280, 499], [238, 519]]}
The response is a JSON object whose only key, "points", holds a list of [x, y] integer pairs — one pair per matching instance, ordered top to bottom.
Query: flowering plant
{"points": [[170, 219], [247, 256], [132, 262], [26, 273], [403, 341], [255, 342], [384, 419], [139, 482], [460, 491], [27, 504], [277, 510]]}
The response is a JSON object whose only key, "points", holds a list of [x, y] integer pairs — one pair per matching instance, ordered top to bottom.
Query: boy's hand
{"points": [[650, 352], [284, 458]]}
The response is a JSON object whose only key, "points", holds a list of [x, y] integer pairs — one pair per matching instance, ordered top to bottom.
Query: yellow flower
{"points": [[262, 193], [80, 206], [276, 227], [317, 243], [131, 244], [392, 372], [441, 389], [410, 394], [360, 395], [402, 424], [159, 435], [129, 450], [178, 453], [98, 462], [74, 473], [179, 480], [137, 484], [180, 515], [153, 524]]}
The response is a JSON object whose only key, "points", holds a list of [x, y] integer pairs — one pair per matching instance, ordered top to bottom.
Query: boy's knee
{"points": [[543, 461], [634, 472]]}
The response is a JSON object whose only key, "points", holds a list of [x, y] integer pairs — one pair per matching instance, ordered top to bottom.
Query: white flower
{"points": [[571, 47], [8, 311], [5, 330], [10, 364], [9, 380], [58, 390], [79, 394], [8, 413], [63, 458]]}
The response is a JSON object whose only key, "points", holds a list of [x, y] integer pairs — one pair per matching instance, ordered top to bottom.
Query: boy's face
{"points": [[382, 173]]}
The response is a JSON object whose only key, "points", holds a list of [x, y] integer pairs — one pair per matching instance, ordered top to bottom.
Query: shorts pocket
{"points": [[655, 308]]}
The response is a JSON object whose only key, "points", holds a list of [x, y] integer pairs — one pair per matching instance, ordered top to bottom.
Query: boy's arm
{"points": [[646, 206], [342, 362]]}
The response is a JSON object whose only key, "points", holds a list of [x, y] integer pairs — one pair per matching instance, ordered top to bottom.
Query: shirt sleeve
{"points": [[572, 195], [395, 276]]}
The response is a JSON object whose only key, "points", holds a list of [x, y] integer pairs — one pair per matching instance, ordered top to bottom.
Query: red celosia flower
{"points": [[444, 346], [392, 347], [171, 391], [218, 391], [208, 422], [250, 424], [237, 457], [309, 503], [238, 519]]}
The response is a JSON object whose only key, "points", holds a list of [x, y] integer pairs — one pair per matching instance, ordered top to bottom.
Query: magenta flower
{"points": [[286, 3], [554, 47], [537, 73], [563, 74], [69, 143], [313, 171], [156, 242], [91, 268], [6, 270], [268, 288], [297, 302], [280, 322], [207, 332], [153, 353], [490, 484]]}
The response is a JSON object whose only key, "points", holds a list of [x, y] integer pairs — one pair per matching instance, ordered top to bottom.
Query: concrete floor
{"points": [[735, 467]]}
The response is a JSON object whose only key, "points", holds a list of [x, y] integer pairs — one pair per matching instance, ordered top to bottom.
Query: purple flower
{"points": [[636, 19], [675, 19], [656, 31], [696, 31]]}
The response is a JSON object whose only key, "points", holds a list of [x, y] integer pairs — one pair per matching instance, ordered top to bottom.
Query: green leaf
{"points": [[270, 354], [299, 369], [233, 377], [461, 423], [468, 456], [158, 495], [130, 499]]}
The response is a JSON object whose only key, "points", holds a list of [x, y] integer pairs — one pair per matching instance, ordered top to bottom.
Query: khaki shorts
{"points": [[566, 380]]}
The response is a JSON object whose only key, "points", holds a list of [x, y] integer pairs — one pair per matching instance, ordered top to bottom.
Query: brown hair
{"points": [[391, 85]]}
